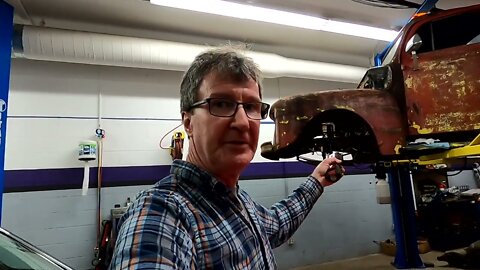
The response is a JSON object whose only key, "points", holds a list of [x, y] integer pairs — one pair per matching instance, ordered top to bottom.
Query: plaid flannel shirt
{"points": [[190, 220]]}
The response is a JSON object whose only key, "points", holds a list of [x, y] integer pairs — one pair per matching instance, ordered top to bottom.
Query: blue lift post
{"points": [[6, 31], [403, 212]]}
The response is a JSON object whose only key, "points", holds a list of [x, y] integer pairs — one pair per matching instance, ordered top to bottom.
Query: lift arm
{"points": [[472, 149]]}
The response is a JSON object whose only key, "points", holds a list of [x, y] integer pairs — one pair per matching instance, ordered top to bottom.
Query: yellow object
{"points": [[421, 130], [178, 135], [176, 146], [472, 149], [448, 156]]}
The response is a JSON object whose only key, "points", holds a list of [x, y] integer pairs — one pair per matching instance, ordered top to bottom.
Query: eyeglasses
{"points": [[227, 108]]}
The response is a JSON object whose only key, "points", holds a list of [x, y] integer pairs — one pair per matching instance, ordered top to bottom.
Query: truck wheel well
{"points": [[352, 134]]}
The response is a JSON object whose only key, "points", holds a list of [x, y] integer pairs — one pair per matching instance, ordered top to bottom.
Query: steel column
{"points": [[6, 29], [403, 211]]}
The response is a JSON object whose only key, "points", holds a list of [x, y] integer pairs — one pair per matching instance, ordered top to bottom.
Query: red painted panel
{"points": [[443, 93]]}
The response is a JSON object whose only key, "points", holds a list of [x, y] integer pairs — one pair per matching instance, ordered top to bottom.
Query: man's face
{"points": [[223, 145]]}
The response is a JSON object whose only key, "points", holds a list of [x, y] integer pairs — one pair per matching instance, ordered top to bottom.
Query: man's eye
{"points": [[223, 104], [252, 107]]}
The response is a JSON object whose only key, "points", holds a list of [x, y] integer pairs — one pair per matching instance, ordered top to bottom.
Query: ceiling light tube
{"points": [[248, 12]]}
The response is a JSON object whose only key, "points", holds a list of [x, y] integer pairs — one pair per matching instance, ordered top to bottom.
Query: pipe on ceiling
{"points": [[49, 44]]}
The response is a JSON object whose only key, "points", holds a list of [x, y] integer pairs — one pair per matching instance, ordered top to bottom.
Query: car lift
{"points": [[403, 209]]}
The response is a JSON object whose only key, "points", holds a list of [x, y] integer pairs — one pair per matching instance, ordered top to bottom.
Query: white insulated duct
{"points": [[50, 44]]}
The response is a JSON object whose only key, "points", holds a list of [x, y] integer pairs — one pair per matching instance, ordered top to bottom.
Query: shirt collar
{"points": [[199, 178]]}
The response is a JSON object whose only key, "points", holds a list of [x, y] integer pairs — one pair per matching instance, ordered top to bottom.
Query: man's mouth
{"points": [[237, 142]]}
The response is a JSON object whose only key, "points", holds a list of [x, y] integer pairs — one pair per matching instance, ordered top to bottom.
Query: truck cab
{"points": [[427, 86]]}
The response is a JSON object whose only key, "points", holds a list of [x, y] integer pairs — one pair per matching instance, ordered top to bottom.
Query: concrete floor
{"points": [[376, 262]]}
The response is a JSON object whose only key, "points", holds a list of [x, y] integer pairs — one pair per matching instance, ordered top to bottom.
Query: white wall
{"points": [[58, 102], [53, 106]]}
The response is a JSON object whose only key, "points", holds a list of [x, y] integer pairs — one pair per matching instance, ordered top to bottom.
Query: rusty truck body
{"points": [[427, 86]]}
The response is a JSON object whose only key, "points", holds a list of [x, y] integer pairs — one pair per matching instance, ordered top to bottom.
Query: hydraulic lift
{"points": [[403, 208]]}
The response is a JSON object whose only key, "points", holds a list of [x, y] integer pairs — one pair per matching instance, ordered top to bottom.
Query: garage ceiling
{"points": [[141, 19]]}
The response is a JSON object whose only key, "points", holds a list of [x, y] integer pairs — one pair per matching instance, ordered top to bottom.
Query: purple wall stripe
{"points": [[71, 178]]}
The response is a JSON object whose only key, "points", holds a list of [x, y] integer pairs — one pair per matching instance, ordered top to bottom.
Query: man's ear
{"points": [[187, 123]]}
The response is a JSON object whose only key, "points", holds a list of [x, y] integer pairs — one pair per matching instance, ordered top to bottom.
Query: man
{"points": [[198, 217]]}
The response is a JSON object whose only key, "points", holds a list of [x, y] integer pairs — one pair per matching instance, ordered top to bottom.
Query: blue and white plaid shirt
{"points": [[190, 220]]}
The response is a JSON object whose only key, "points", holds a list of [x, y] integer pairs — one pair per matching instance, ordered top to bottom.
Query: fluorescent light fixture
{"points": [[242, 11]]}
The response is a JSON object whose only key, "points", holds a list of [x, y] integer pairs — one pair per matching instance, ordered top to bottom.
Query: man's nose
{"points": [[240, 115]]}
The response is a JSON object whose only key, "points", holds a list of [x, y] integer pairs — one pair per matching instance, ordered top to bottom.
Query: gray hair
{"points": [[226, 61]]}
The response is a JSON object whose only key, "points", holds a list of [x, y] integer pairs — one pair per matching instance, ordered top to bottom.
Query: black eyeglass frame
{"points": [[265, 107]]}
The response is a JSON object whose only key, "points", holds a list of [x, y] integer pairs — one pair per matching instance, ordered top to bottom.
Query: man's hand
{"points": [[322, 168]]}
